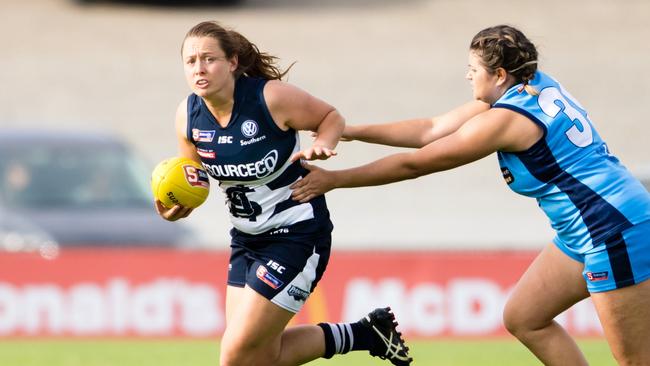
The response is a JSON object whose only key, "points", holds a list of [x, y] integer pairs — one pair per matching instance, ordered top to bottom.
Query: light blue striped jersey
{"points": [[585, 191]]}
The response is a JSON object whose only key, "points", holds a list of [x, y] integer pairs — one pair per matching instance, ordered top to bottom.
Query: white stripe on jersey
{"points": [[267, 199]]}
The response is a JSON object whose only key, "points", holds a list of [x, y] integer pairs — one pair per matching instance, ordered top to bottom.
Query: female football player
{"points": [[241, 123], [547, 149]]}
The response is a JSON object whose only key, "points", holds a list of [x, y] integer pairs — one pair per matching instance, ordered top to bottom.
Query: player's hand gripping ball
{"points": [[180, 181]]}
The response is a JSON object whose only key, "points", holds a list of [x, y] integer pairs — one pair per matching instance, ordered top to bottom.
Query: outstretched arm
{"points": [[496, 129], [415, 132]]}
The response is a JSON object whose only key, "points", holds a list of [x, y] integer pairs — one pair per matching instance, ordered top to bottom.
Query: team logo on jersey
{"points": [[249, 128], [203, 135], [210, 154], [507, 175], [239, 204], [263, 274], [597, 276], [297, 293]]}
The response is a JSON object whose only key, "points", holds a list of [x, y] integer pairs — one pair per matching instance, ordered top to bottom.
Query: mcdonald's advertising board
{"points": [[167, 293]]}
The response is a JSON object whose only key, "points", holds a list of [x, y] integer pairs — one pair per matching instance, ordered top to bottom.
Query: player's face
{"points": [[207, 70], [484, 84]]}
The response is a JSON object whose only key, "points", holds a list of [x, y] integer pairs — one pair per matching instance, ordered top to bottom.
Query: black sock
{"points": [[363, 337], [342, 338]]}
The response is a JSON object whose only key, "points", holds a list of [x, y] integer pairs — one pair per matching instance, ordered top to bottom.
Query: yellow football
{"points": [[180, 181]]}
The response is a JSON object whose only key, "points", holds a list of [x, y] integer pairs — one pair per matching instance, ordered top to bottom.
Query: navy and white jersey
{"points": [[250, 159], [585, 191]]}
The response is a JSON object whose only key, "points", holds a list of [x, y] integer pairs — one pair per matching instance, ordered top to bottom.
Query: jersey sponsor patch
{"points": [[203, 135], [252, 141], [210, 154], [259, 169], [507, 175], [263, 274], [597, 276], [297, 293]]}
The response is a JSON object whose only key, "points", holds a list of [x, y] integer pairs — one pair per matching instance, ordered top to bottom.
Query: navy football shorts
{"points": [[284, 268]]}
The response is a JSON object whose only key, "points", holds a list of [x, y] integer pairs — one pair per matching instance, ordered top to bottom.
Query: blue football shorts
{"points": [[622, 260], [283, 268]]}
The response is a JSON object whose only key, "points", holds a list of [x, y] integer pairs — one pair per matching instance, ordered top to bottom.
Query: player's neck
{"points": [[221, 109]]}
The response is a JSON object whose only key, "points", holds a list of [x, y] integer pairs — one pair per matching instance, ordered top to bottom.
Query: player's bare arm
{"points": [[294, 108], [496, 129], [415, 133], [185, 149]]}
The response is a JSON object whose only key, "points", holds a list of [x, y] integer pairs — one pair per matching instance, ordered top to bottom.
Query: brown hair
{"points": [[507, 47], [252, 62]]}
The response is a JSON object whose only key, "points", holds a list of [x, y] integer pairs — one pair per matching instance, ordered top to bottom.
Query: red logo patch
{"points": [[597, 276]]}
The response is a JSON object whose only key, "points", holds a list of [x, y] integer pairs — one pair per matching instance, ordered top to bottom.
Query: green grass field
{"points": [[205, 353]]}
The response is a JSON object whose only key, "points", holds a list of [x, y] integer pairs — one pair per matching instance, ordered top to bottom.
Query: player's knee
{"points": [[513, 320], [518, 321], [512, 326], [232, 352], [244, 353], [231, 356]]}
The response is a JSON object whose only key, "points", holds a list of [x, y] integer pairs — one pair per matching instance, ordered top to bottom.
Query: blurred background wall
{"points": [[116, 67]]}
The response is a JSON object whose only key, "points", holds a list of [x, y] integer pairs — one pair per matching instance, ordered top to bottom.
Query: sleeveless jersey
{"points": [[250, 159], [585, 191]]}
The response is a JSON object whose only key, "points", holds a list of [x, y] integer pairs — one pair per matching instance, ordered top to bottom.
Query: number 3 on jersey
{"points": [[580, 134]]}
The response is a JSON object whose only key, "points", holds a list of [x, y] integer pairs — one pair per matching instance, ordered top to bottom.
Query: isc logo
{"points": [[224, 140], [275, 266]]}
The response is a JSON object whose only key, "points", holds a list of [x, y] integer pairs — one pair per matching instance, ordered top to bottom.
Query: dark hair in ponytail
{"points": [[507, 47], [252, 62]]}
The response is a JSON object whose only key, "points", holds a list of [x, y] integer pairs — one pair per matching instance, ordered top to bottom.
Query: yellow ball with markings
{"points": [[180, 181]]}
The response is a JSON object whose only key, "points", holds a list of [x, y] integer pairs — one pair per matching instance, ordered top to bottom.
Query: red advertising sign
{"points": [[164, 293]]}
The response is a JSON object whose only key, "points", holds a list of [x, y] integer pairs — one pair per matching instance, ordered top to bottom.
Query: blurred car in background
{"points": [[77, 189]]}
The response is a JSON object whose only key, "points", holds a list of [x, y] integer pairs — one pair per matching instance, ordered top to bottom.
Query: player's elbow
{"points": [[335, 119], [429, 133], [417, 164], [413, 169]]}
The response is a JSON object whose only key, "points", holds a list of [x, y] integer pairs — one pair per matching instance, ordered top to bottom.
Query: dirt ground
{"points": [[116, 67]]}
